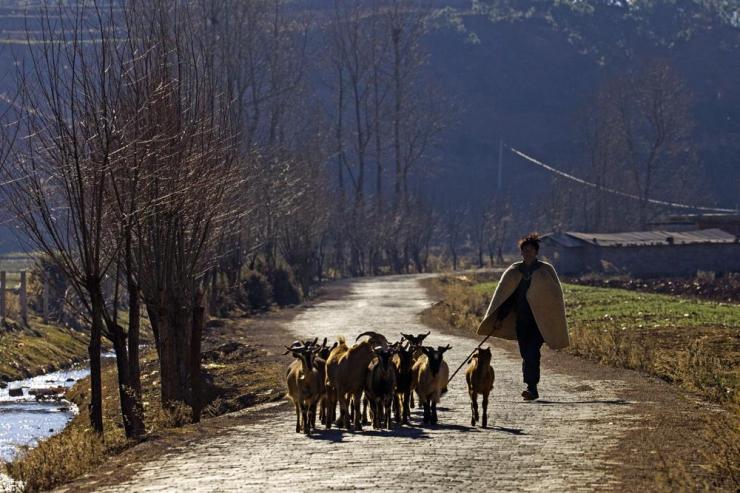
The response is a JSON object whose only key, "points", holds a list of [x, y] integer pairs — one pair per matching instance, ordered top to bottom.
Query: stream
{"points": [[24, 420]]}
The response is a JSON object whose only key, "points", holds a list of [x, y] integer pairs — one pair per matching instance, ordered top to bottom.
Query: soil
{"points": [[723, 289]]}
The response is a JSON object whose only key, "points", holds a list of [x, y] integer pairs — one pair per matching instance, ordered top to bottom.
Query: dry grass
{"points": [[691, 343], [38, 349], [242, 376]]}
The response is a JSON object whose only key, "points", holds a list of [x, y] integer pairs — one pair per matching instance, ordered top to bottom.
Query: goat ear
{"points": [[335, 345]]}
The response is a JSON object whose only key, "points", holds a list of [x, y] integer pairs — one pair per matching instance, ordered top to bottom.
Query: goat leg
{"points": [[406, 407], [473, 408], [485, 410], [343, 411], [364, 411], [357, 412], [434, 412], [312, 414], [297, 418], [306, 420]]}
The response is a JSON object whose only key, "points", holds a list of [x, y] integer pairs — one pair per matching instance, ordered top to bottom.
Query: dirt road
{"points": [[561, 443]]}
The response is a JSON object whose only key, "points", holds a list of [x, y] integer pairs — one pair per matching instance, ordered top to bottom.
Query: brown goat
{"points": [[415, 342], [321, 358], [403, 360], [346, 370], [480, 377], [430, 380], [304, 386], [380, 386]]}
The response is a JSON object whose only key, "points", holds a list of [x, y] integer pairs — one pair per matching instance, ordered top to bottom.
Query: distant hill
{"points": [[536, 63], [520, 70]]}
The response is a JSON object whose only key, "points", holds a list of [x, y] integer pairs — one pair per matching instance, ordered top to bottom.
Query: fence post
{"points": [[24, 299], [3, 313]]}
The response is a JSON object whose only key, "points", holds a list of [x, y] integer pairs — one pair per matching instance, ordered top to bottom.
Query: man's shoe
{"points": [[530, 394]]}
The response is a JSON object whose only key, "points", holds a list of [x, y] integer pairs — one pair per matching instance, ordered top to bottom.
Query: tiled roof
{"points": [[641, 238]]}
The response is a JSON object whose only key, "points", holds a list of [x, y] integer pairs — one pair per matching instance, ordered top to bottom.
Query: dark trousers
{"points": [[530, 341]]}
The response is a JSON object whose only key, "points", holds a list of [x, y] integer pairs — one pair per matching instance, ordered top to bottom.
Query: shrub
{"points": [[257, 289], [285, 290]]}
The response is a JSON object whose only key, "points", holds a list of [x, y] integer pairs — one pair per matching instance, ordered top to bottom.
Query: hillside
{"points": [[524, 71]]}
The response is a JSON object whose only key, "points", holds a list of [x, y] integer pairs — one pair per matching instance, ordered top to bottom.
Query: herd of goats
{"points": [[380, 374]]}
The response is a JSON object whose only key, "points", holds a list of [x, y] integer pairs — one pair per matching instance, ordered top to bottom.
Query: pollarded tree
{"points": [[185, 157], [59, 171]]}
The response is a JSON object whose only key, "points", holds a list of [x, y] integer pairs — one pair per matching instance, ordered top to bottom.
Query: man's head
{"points": [[530, 247]]}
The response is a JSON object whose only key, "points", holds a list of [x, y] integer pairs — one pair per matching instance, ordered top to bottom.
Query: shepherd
{"points": [[527, 306]]}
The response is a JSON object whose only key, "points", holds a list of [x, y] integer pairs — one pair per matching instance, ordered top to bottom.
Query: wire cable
{"points": [[611, 190]]}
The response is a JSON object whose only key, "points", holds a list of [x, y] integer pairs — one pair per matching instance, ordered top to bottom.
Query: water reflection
{"points": [[23, 420]]}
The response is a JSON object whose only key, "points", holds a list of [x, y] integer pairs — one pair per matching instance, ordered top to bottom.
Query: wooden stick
{"points": [[468, 358]]}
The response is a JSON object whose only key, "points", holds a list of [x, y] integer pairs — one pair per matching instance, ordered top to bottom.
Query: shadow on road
{"points": [[616, 402], [512, 431], [337, 435]]}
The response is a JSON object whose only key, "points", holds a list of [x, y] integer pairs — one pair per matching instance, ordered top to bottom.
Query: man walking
{"points": [[528, 306]]}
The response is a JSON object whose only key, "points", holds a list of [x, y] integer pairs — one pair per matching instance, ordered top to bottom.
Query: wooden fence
{"points": [[22, 290]]}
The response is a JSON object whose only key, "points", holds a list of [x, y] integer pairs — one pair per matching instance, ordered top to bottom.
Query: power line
{"points": [[611, 190]]}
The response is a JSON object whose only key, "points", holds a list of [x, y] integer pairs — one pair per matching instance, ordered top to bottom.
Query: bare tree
{"points": [[638, 140], [185, 157], [60, 196]]}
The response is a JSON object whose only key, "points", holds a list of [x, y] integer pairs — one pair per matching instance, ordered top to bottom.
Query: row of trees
{"points": [[161, 147]]}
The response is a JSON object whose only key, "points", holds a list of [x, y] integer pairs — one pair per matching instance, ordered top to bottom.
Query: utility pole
{"points": [[500, 161]]}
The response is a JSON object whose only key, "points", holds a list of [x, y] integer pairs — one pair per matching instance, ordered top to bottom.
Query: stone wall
{"points": [[645, 261]]}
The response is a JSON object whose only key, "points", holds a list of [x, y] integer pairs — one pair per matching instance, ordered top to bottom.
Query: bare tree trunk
{"points": [[195, 347], [93, 350]]}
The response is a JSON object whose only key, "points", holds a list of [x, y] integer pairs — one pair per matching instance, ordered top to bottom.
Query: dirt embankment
{"points": [[38, 349]]}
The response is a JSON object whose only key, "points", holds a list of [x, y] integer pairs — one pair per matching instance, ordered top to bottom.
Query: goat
{"points": [[374, 338], [415, 341], [321, 358], [403, 360], [346, 370], [480, 377], [430, 380], [304, 385], [380, 386]]}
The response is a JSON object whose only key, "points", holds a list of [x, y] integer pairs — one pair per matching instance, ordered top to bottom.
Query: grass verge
{"points": [[691, 343], [39, 348], [237, 375]]}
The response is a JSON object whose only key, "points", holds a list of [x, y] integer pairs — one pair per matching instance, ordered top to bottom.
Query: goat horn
{"points": [[371, 333]]}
